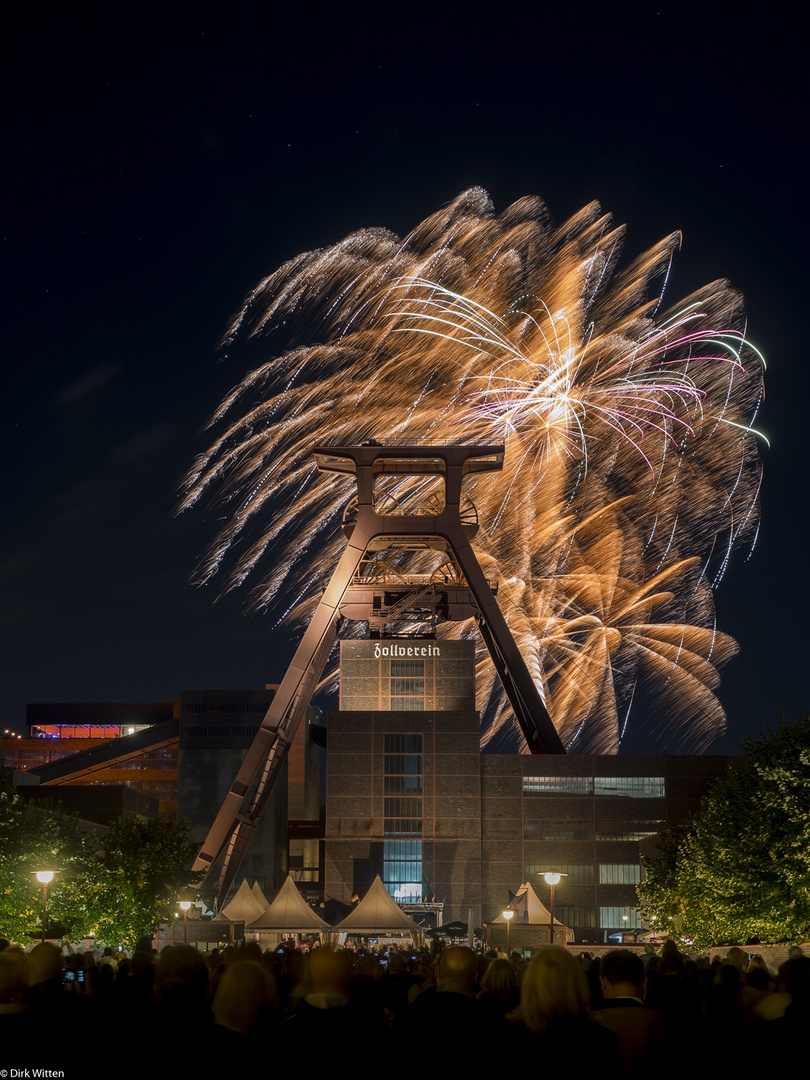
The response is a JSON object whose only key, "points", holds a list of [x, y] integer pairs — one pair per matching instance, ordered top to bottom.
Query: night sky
{"points": [[160, 160]]}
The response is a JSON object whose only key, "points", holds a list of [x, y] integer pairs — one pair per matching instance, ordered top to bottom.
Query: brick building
{"points": [[410, 796]]}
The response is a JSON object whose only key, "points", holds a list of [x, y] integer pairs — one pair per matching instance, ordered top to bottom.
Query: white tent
{"points": [[257, 892], [245, 906], [530, 911], [378, 913], [289, 914]]}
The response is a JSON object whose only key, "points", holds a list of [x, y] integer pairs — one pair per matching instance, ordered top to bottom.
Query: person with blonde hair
{"points": [[499, 992], [553, 1021]]}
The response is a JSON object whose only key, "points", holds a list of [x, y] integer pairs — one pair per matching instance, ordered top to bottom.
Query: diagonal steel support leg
{"points": [[524, 697], [236, 821]]}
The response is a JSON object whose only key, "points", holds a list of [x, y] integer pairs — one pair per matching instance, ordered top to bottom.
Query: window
{"points": [[407, 668], [407, 685], [407, 704], [401, 743], [402, 764], [403, 770], [404, 785], [557, 785], [633, 787], [636, 787], [403, 807], [402, 813], [573, 829], [623, 829], [402, 868], [619, 873], [576, 914], [619, 918]]}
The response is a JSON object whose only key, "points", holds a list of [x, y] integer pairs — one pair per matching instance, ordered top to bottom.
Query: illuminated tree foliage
{"points": [[33, 836], [741, 871], [130, 880], [115, 884]]}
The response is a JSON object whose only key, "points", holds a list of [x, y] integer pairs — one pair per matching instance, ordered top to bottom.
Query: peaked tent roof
{"points": [[262, 899], [245, 906], [289, 911], [378, 912], [535, 913]]}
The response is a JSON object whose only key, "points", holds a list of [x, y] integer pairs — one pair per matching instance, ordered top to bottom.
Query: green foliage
{"points": [[34, 835], [742, 869], [129, 880], [116, 884]]}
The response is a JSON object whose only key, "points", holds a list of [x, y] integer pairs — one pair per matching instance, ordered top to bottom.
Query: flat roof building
{"points": [[410, 796]]}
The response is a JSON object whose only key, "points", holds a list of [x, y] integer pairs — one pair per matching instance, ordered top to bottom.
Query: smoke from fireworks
{"points": [[631, 466]]}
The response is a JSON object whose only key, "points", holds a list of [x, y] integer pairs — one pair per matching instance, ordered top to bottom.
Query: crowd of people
{"points": [[623, 1014]]}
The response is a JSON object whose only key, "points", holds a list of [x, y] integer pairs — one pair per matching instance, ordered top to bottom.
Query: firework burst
{"points": [[631, 469]]}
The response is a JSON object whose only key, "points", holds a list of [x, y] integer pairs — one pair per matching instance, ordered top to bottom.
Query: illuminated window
{"points": [[557, 785], [634, 787], [402, 809], [402, 868], [618, 918]]}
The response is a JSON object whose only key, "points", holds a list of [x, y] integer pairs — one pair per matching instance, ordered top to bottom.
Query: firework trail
{"points": [[631, 468]]}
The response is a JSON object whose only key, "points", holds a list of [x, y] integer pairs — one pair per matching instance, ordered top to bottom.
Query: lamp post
{"points": [[44, 877], [552, 878], [184, 906], [508, 915]]}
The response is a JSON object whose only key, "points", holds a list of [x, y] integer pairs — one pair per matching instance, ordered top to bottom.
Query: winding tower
{"points": [[409, 499]]}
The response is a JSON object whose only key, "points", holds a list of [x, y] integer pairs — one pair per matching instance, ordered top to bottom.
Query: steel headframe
{"points": [[240, 812]]}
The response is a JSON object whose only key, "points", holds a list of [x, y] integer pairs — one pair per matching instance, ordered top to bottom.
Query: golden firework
{"points": [[631, 470]]}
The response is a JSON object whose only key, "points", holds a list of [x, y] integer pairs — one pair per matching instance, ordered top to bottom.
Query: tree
{"points": [[33, 836], [741, 870], [129, 880], [115, 884]]}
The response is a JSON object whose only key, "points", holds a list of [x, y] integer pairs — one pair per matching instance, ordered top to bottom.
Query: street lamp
{"points": [[44, 877], [552, 878], [184, 906], [509, 914]]}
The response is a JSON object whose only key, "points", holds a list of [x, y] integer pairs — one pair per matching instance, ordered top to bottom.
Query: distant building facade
{"points": [[216, 730], [130, 744], [172, 761], [410, 796]]}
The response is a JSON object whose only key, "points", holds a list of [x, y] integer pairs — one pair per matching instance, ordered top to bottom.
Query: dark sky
{"points": [[160, 160]]}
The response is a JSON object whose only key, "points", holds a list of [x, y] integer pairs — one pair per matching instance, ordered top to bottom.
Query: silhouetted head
{"points": [[671, 958], [737, 958], [44, 963], [459, 965], [329, 971], [13, 974], [622, 974], [181, 977], [499, 979], [554, 991], [245, 994]]}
